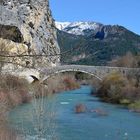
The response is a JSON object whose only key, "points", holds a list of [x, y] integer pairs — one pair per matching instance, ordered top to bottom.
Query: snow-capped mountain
{"points": [[62, 25], [78, 28], [86, 38]]}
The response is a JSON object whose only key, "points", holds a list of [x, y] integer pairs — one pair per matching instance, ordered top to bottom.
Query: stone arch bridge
{"points": [[97, 71]]}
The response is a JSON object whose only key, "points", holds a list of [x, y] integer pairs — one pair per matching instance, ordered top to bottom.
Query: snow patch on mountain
{"points": [[62, 25], [77, 28]]}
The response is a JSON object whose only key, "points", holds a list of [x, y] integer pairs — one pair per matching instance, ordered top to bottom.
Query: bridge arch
{"points": [[71, 70]]}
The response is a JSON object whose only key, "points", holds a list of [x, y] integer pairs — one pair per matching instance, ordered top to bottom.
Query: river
{"points": [[54, 118]]}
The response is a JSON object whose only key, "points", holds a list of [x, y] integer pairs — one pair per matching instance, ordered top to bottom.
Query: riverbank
{"points": [[55, 84], [113, 89], [119, 89], [15, 91]]}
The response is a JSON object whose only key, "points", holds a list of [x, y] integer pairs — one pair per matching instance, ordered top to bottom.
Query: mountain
{"points": [[78, 28], [93, 43]]}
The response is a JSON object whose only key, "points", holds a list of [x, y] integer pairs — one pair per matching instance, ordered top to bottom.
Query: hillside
{"points": [[94, 43]]}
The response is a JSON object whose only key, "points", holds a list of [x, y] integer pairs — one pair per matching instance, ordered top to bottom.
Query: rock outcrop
{"points": [[29, 23]]}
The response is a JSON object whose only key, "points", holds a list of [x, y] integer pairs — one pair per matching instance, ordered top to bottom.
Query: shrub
{"points": [[128, 60], [61, 82], [70, 83], [110, 89], [118, 89], [13, 90], [39, 90], [130, 92], [125, 101], [135, 106], [80, 108], [8, 134]]}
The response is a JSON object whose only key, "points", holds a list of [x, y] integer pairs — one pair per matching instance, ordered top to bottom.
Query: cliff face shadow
{"points": [[11, 33]]}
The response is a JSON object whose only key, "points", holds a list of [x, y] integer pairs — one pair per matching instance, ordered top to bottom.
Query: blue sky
{"points": [[121, 12]]}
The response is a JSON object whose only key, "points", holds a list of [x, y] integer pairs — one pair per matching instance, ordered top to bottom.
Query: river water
{"points": [[54, 118]]}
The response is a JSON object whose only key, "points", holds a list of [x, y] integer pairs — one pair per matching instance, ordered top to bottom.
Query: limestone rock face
{"points": [[29, 22]]}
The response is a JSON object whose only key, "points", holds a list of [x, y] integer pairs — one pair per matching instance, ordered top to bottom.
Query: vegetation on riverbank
{"points": [[61, 82], [119, 89], [15, 91]]}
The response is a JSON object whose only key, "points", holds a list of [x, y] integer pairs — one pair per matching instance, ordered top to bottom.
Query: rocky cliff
{"points": [[27, 28]]}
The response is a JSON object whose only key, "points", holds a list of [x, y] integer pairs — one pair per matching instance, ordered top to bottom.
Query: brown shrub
{"points": [[128, 60], [11, 82], [61, 82], [70, 83], [110, 89], [118, 89], [13, 90], [39, 90], [131, 93], [3, 106], [80, 108], [7, 134]]}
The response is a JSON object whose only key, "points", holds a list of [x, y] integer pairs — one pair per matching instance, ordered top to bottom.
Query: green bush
{"points": [[135, 106]]}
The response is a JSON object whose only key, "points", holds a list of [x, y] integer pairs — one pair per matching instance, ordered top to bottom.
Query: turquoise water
{"points": [[59, 121]]}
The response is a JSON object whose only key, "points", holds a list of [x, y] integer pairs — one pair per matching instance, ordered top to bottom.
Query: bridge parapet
{"points": [[98, 71]]}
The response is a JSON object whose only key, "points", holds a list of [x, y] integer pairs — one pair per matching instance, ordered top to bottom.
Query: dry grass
{"points": [[61, 82], [54, 84], [38, 90], [13, 91], [7, 134]]}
